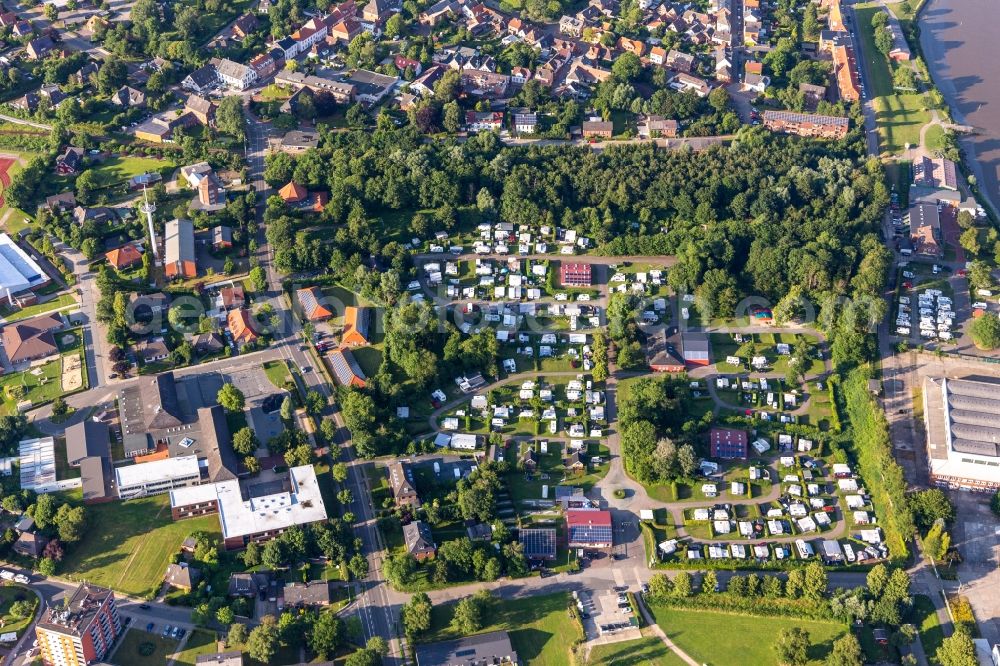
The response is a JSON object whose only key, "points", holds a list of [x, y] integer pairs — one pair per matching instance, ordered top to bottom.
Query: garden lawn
{"points": [[900, 118], [117, 170], [15, 220], [58, 303], [369, 358], [277, 373], [40, 388], [129, 544], [8, 595], [925, 619], [541, 630], [721, 639], [198, 643], [642, 651], [128, 652]]}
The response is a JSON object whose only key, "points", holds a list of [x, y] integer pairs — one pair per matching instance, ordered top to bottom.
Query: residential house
{"points": [[244, 26], [571, 26], [38, 48], [657, 55], [680, 61], [403, 63], [264, 64], [845, 69], [235, 75], [201, 80], [686, 82], [812, 94], [129, 97], [201, 108], [483, 121], [525, 123], [806, 124], [654, 127], [598, 128], [298, 141], [70, 161], [212, 196], [60, 202], [222, 237], [125, 257], [231, 298], [314, 305], [357, 326], [241, 327], [31, 339], [205, 344], [151, 350], [346, 369], [574, 463], [404, 492], [418, 540], [30, 544], [182, 576], [314, 594]]}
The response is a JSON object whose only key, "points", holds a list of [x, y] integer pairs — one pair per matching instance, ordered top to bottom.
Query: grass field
{"points": [[900, 118], [117, 170], [369, 358], [129, 544], [540, 628], [722, 639], [135, 642], [198, 643], [649, 650]]}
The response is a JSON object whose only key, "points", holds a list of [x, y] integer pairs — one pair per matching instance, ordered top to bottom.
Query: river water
{"points": [[962, 48]]}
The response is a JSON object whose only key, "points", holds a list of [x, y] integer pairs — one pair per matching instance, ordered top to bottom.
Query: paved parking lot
{"points": [[977, 537]]}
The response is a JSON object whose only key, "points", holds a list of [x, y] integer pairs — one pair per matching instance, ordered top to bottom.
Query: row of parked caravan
{"points": [[935, 311]]}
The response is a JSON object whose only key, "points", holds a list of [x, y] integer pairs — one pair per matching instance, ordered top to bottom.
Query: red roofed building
{"points": [[403, 62], [293, 193], [126, 256], [575, 275], [311, 299], [240, 326], [728, 443], [588, 528]]}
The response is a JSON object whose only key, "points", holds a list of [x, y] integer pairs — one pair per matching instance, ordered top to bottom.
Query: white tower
{"points": [[149, 208]]}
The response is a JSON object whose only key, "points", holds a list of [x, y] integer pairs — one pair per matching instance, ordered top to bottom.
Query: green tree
{"points": [[626, 67], [229, 116], [452, 117], [258, 279], [985, 331], [231, 398], [59, 407], [287, 410], [245, 441], [339, 472], [71, 522], [937, 542], [251, 555], [47, 566], [358, 566], [709, 582], [682, 584], [814, 586], [416, 614], [225, 615], [468, 617], [237, 635], [327, 635], [262, 644], [792, 647], [958, 649], [846, 652]]}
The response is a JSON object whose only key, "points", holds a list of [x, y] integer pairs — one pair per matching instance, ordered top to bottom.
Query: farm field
{"points": [[129, 544]]}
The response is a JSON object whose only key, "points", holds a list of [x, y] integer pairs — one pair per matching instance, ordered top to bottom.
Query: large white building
{"points": [[235, 75], [18, 271], [962, 420], [158, 476], [254, 518]]}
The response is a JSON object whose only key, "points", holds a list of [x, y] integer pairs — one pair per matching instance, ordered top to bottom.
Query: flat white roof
{"points": [[18, 271], [38, 462], [158, 470], [239, 517]]}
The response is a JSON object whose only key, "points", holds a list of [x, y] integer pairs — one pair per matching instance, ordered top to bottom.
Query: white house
{"points": [[236, 75]]}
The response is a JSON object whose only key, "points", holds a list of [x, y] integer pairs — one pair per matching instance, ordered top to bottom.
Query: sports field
{"points": [[11, 219]]}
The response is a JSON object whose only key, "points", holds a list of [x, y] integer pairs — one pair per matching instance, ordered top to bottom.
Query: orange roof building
{"points": [[835, 19], [752, 67], [846, 69], [293, 193], [126, 256], [310, 299], [356, 325], [240, 326], [346, 369]]}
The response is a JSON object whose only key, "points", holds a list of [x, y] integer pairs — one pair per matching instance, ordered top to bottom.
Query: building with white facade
{"points": [[962, 421], [158, 476]]}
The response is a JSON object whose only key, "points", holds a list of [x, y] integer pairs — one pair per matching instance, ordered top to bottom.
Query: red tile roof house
{"points": [[124, 257], [575, 275], [313, 307], [728, 443], [587, 528]]}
